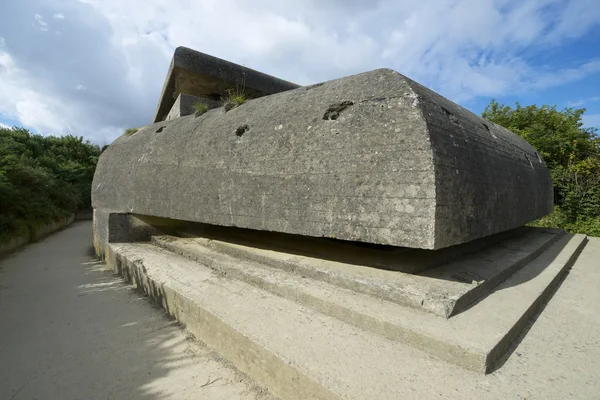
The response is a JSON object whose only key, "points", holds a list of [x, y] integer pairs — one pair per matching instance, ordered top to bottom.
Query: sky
{"points": [[93, 68]]}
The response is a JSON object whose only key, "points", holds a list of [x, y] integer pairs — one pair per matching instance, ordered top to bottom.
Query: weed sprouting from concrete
{"points": [[237, 97], [234, 99], [200, 108], [130, 131]]}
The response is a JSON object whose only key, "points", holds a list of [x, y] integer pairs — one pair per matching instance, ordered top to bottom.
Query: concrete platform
{"points": [[449, 281], [272, 323]]}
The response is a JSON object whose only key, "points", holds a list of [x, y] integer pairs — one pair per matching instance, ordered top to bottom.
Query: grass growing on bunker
{"points": [[237, 97], [234, 99], [199, 108], [130, 131]]}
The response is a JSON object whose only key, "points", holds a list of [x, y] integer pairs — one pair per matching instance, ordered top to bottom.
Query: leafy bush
{"points": [[130, 131], [572, 154], [42, 178]]}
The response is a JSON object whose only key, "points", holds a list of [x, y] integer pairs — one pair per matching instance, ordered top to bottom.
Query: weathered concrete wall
{"points": [[195, 73], [184, 105], [373, 157], [487, 178], [110, 227], [37, 234]]}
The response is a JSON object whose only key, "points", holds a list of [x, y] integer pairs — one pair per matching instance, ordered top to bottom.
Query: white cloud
{"points": [[39, 20], [465, 48], [106, 71], [581, 102], [575, 103], [31, 107], [4, 126]]}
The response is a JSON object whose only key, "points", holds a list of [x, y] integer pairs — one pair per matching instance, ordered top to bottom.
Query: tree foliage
{"points": [[572, 154], [42, 178]]}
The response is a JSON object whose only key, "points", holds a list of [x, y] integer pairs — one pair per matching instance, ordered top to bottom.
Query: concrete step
{"points": [[391, 258], [445, 290], [498, 318], [301, 336]]}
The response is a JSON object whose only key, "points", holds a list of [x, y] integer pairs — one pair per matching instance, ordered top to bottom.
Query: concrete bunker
{"points": [[373, 158], [369, 199]]}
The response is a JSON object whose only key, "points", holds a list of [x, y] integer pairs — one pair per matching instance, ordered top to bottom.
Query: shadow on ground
{"points": [[72, 330]]}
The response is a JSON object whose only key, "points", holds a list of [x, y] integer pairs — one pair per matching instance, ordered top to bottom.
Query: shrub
{"points": [[572, 154]]}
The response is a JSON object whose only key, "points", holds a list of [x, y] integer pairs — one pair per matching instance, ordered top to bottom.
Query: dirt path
{"points": [[71, 330]]}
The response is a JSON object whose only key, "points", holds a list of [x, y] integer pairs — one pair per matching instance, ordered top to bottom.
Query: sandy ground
{"points": [[69, 329]]}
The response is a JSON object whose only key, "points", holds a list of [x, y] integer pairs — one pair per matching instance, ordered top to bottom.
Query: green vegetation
{"points": [[235, 98], [200, 108], [130, 131], [572, 154], [42, 179]]}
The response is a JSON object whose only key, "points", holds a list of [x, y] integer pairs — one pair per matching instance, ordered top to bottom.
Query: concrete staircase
{"points": [[303, 319]]}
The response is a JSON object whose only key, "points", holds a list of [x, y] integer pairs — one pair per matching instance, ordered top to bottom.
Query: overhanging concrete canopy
{"points": [[194, 73]]}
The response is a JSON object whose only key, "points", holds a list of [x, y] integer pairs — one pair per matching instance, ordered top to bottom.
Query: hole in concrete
{"points": [[334, 110], [451, 116], [486, 127], [160, 129], [241, 130]]}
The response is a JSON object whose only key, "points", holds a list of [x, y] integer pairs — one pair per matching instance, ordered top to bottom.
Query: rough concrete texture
{"points": [[195, 73], [184, 105], [400, 165], [112, 228], [390, 258], [445, 290], [498, 317], [69, 330], [302, 353]]}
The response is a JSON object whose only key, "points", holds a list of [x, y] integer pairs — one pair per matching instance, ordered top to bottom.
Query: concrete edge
{"points": [[35, 235], [294, 264], [477, 293], [545, 295], [469, 358], [480, 359], [282, 378]]}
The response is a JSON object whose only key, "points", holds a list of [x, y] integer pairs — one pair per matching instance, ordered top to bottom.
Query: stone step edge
{"points": [[295, 264], [479, 292], [451, 347], [273, 371]]}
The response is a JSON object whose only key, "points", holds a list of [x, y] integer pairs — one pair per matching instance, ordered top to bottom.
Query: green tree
{"points": [[572, 154], [42, 178]]}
